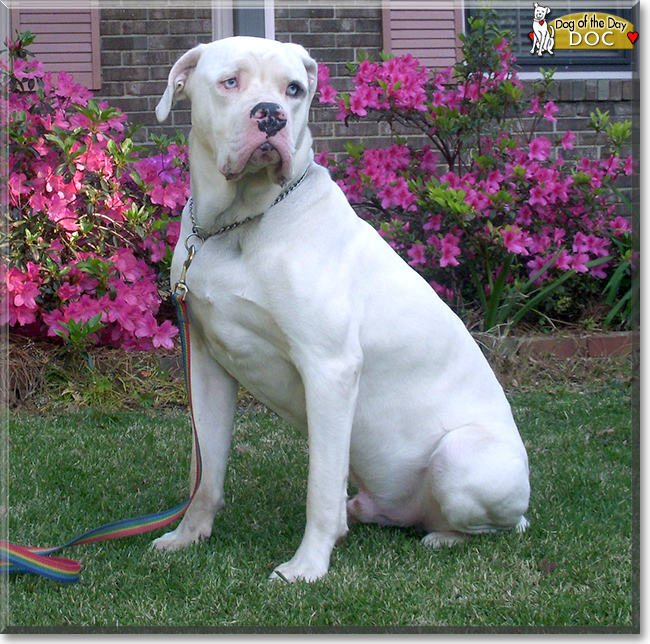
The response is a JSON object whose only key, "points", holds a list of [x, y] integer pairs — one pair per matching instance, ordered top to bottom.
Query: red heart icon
{"points": [[541, 22], [531, 35], [632, 35]]}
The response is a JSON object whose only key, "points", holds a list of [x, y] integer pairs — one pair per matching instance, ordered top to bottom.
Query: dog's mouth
{"points": [[264, 157]]}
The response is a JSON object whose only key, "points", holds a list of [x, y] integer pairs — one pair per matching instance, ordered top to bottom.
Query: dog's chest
{"points": [[230, 307]]}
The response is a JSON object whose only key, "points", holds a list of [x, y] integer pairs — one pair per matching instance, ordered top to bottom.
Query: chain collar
{"points": [[198, 232], [180, 288]]}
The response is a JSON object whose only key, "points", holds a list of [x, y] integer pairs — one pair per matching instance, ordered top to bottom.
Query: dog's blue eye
{"points": [[230, 83], [294, 89]]}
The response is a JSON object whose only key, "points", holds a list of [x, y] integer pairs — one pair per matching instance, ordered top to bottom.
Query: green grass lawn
{"points": [[73, 471]]}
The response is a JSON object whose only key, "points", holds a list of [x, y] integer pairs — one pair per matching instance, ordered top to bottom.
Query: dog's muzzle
{"points": [[270, 117]]}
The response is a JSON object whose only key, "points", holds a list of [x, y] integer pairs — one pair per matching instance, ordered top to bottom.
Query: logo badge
{"points": [[586, 30]]}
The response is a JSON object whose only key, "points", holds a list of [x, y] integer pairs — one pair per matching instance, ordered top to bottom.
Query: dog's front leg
{"points": [[331, 389], [214, 400]]}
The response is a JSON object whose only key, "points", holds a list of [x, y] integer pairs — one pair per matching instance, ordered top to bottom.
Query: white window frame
{"points": [[223, 23]]}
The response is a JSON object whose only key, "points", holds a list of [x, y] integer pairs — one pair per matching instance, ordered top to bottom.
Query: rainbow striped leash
{"points": [[15, 558], [38, 561]]}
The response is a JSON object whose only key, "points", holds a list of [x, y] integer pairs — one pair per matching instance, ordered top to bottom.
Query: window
{"points": [[243, 18], [519, 19]]}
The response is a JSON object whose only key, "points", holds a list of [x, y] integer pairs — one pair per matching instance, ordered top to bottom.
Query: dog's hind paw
{"points": [[522, 525], [441, 539]]}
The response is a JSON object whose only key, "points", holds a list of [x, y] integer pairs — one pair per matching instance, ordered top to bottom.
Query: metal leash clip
{"points": [[180, 288]]}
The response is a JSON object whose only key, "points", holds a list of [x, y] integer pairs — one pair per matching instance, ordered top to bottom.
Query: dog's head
{"points": [[540, 12], [250, 102]]}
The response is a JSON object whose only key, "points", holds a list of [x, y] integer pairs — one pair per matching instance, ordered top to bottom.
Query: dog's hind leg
{"points": [[214, 400], [480, 483]]}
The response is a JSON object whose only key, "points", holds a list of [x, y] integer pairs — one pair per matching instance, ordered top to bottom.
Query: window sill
{"points": [[578, 75]]}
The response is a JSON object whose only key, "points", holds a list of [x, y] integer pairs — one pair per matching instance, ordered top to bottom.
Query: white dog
{"points": [[544, 34], [313, 312]]}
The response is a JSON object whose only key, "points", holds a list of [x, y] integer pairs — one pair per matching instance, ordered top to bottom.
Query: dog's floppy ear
{"points": [[310, 65], [178, 76]]}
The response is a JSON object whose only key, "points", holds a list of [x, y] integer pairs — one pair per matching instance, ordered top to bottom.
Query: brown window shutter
{"points": [[428, 32], [66, 40]]}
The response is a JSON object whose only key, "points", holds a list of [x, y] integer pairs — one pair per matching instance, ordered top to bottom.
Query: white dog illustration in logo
{"points": [[543, 34]]}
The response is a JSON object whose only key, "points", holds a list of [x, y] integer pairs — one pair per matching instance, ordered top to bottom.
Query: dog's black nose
{"points": [[270, 117]]}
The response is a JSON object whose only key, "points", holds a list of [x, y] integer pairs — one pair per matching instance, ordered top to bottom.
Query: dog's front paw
{"points": [[180, 538], [293, 571]]}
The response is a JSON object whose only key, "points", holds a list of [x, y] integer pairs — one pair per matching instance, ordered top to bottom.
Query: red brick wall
{"points": [[139, 46]]}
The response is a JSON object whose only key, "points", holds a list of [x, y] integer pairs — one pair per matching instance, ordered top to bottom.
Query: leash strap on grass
{"points": [[38, 561]]}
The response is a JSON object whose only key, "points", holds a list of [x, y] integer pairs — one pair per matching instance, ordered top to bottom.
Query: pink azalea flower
{"points": [[27, 70], [366, 72], [67, 88], [326, 91], [327, 95], [358, 104], [534, 106], [550, 109], [567, 140], [539, 149], [323, 158], [96, 160], [429, 160], [452, 179], [493, 181], [17, 184], [397, 194], [538, 196], [477, 199], [58, 212], [524, 216], [433, 223], [620, 225], [173, 233], [558, 235], [516, 240], [540, 243], [590, 244], [156, 247], [450, 250], [417, 254], [564, 261], [578, 262], [535, 265], [129, 267], [599, 271], [22, 290], [69, 291], [442, 291], [124, 313], [52, 322], [146, 326], [164, 334]]}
